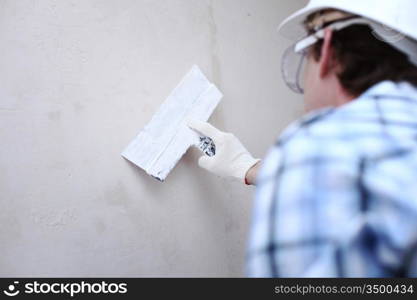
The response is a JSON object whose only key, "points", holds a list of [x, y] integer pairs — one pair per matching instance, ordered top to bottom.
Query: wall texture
{"points": [[78, 80]]}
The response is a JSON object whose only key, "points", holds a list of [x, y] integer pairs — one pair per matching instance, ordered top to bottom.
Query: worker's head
{"points": [[343, 55]]}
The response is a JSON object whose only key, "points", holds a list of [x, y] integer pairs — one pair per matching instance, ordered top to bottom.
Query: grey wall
{"points": [[78, 80]]}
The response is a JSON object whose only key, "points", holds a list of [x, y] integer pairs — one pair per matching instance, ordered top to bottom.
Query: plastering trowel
{"points": [[166, 138]]}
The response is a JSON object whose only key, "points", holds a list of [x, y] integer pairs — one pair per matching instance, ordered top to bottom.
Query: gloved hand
{"points": [[231, 158]]}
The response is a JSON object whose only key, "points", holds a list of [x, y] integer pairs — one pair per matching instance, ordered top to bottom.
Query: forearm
{"points": [[252, 174]]}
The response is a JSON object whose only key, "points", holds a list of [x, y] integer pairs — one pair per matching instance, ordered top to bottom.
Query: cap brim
{"points": [[292, 27]]}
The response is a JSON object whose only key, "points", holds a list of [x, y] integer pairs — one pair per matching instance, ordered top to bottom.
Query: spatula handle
{"points": [[207, 146]]}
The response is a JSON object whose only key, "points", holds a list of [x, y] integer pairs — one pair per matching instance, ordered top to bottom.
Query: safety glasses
{"points": [[294, 59], [293, 68]]}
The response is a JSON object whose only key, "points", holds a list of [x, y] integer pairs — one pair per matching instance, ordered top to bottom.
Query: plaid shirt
{"points": [[337, 194]]}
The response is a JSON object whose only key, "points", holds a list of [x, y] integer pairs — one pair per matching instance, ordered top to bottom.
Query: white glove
{"points": [[231, 158]]}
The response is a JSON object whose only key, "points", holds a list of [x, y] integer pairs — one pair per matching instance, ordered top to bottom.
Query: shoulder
{"points": [[376, 123], [317, 131], [316, 138]]}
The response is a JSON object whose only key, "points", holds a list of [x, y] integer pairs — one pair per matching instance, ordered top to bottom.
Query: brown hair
{"points": [[365, 60]]}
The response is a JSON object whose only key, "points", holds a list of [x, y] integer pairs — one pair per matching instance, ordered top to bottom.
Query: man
{"points": [[337, 194]]}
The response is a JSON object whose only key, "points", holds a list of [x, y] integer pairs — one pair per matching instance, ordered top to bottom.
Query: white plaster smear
{"points": [[166, 138]]}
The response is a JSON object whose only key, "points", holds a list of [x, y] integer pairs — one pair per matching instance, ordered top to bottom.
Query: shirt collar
{"points": [[387, 88]]}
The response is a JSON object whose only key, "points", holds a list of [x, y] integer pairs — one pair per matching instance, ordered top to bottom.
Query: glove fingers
{"points": [[204, 128], [205, 162]]}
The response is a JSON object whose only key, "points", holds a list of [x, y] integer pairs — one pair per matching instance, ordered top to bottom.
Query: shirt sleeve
{"points": [[305, 210]]}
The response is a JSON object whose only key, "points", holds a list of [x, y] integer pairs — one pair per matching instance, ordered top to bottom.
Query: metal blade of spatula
{"points": [[166, 138]]}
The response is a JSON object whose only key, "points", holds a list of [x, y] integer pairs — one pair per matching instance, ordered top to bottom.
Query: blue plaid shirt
{"points": [[337, 194]]}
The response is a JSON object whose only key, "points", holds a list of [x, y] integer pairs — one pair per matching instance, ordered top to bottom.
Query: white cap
{"points": [[400, 15], [395, 20]]}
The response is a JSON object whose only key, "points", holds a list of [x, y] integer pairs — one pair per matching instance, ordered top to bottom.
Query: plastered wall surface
{"points": [[78, 80]]}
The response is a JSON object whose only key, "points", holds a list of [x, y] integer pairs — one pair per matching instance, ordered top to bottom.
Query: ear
{"points": [[326, 58]]}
